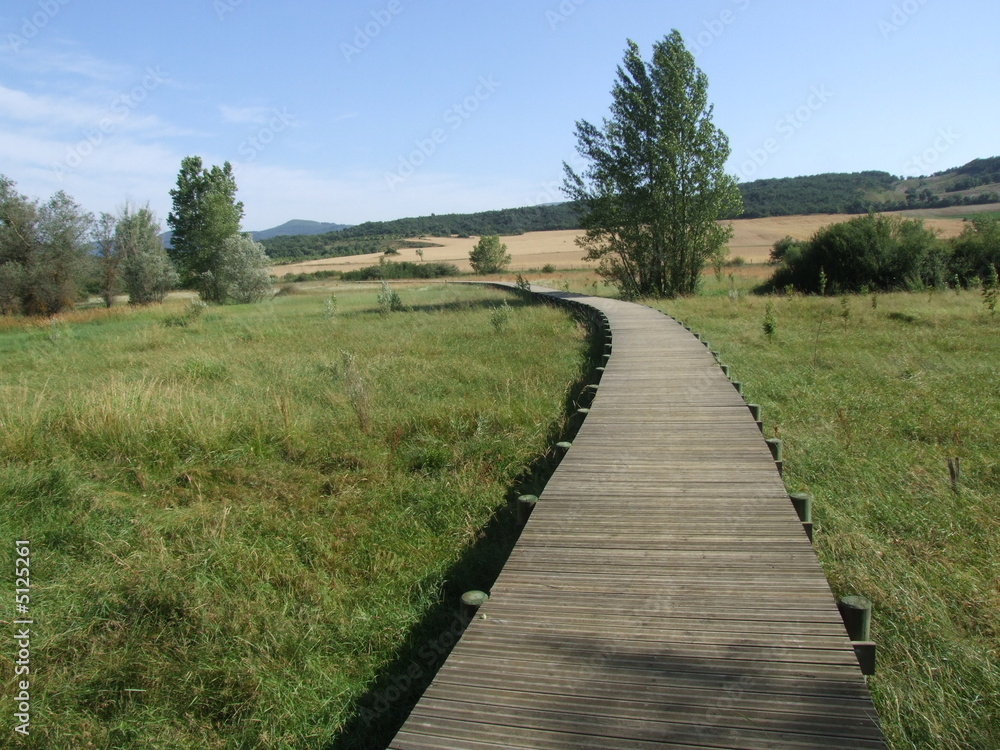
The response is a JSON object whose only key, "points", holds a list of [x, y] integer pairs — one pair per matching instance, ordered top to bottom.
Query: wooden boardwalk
{"points": [[663, 593]]}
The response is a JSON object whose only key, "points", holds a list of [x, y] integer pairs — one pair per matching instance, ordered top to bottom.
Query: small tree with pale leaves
{"points": [[489, 255]]}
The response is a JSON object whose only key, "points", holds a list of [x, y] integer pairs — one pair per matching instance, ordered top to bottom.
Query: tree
{"points": [[655, 186], [205, 213], [43, 252], [489, 255], [108, 257], [145, 265], [240, 272]]}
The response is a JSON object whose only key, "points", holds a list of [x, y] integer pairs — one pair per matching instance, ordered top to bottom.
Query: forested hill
{"points": [[859, 192], [835, 193], [818, 194], [506, 222]]}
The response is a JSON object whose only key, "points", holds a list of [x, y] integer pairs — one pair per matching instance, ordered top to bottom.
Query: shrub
{"points": [[976, 250], [880, 252], [489, 255], [401, 270], [240, 272], [388, 300], [192, 311], [500, 317], [770, 325]]}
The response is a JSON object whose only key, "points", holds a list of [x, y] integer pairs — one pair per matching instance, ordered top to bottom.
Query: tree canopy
{"points": [[655, 186], [205, 212], [43, 252], [489, 255]]}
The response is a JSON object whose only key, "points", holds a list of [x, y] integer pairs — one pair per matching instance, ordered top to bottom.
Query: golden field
{"points": [[752, 240]]}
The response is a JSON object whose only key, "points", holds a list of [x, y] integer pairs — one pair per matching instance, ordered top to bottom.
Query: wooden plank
{"points": [[663, 593]]}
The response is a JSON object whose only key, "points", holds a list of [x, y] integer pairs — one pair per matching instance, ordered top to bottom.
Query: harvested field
{"points": [[752, 241]]}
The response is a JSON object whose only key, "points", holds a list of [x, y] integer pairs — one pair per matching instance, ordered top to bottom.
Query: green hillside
{"points": [[974, 183]]}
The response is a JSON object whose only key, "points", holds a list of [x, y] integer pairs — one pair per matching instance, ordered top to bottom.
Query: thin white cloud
{"points": [[45, 59], [29, 108], [246, 115]]}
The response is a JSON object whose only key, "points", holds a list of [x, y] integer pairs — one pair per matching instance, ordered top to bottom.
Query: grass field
{"points": [[871, 403], [241, 519]]}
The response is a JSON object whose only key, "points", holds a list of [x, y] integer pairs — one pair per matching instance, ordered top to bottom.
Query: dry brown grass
{"points": [[752, 240]]}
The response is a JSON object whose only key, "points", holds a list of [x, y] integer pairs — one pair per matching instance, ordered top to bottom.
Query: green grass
{"points": [[870, 403], [243, 526]]}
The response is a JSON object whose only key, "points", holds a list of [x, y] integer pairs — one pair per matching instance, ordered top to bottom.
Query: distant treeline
{"points": [[977, 172], [833, 193], [839, 193], [818, 194], [364, 238]]}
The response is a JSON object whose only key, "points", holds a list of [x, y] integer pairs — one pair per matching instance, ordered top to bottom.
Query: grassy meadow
{"points": [[872, 396], [250, 525]]}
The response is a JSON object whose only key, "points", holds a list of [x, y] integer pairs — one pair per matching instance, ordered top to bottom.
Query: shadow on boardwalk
{"points": [[382, 710]]}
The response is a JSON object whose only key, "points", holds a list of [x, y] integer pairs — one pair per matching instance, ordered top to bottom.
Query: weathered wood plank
{"points": [[663, 593]]}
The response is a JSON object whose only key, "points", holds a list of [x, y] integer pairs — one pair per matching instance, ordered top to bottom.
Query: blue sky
{"points": [[356, 111]]}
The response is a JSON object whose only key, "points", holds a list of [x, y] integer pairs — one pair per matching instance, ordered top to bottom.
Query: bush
{"points": [[976, 250], [873, 251], [489, 255], [402, 270], [240, 272], [389, 300], [500, 317]]}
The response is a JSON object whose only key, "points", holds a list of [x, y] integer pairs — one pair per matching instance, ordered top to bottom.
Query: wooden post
{"points": [[725, 370], [738, 386], [755, 413], [775, 445], [563, 447], [802, 502], [525, 504], [471, 602], [856, 612]]}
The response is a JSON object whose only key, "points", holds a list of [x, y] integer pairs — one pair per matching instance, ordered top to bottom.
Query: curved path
{"points": [[663, 592]]}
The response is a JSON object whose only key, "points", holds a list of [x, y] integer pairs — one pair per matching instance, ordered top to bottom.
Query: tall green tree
{"points": [[655, 187], [205, 212], [108, 257], [145, 267]]}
